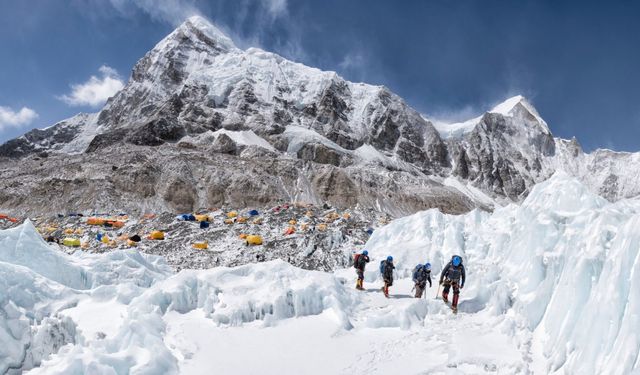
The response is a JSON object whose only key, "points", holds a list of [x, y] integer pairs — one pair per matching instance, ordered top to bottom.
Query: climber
{"points": [[359, 263], [386, 270], [422, 274], [453, 275]]}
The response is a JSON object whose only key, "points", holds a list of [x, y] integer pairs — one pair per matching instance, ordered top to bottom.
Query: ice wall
{"points": [[566, 261]]}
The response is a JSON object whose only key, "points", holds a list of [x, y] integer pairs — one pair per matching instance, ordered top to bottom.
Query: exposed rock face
{"points": [[203, 123], [50, 139], [223, 144], [503, 154], [175, 179]]}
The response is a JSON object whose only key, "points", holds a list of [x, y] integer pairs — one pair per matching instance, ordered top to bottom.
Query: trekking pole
{"points": [[438, 292]]}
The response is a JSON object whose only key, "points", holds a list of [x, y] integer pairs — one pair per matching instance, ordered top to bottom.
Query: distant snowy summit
{"points": [[202, 123]]}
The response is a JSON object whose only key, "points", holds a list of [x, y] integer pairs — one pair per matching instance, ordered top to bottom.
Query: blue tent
{"points": [[254, 213], [188, 217], [204, 224], [370, 231]]}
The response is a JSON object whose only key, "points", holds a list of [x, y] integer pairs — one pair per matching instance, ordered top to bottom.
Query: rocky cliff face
{"points": [[203, 123]]}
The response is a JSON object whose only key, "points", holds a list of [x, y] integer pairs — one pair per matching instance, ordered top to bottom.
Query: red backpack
{"points": [[355, 260]]}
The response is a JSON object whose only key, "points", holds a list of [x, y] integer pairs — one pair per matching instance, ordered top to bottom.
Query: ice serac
{"points": [[565, 261], [38, 282]]}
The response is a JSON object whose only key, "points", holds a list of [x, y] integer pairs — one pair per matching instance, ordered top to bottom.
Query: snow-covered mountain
{"points": [[201, 118], [552, 288]]}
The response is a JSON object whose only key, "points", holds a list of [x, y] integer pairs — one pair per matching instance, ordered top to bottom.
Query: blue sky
{"points": [[577, 61]]}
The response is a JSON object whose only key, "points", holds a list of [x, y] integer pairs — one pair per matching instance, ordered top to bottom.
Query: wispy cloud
{"points": [[276, 8], [173, 12], [96, 90], [450, 115], [16, 119]]}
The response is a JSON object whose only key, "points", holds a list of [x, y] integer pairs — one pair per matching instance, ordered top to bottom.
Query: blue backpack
{"points": [[382, 264], [416, 272]]}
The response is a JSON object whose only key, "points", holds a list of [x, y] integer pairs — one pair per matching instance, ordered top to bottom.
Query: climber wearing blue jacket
{"points": [[453, 275]]}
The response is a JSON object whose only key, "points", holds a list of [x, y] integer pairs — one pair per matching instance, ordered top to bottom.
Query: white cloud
{"points": [[96, 90], [12, 119]]}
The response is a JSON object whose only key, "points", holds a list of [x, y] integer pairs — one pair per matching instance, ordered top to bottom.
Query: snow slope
{"points": [[552, 288]]}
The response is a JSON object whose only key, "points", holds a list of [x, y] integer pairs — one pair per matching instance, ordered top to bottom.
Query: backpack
{"points": [[355, 260], [382, 264], [417, 273], [454, 274]]}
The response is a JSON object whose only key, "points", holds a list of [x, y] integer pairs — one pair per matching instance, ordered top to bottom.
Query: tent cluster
{"points": [[8, 218], [115, 223], [214, 230], [78, 232]]}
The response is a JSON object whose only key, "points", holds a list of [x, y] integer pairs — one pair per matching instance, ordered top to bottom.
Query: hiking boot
{"points": [[454, 309]]}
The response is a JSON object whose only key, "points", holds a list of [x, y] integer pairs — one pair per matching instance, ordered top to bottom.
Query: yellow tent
{"points": [[232, 214], [202, 218], [241, 220], [228, 221], [258, 221], [292, 222], [322, 227], [68, 231], [157, 235], [254, 240], [69, 241], [201, 245]]}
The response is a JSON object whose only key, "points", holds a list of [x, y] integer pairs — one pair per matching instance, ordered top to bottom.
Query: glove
{"points": [[461, 286]]}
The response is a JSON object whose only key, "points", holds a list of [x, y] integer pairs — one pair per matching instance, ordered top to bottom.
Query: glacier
{"points": [[552, 287]]}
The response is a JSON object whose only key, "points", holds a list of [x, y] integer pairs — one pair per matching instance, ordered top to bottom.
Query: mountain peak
{"points": [[200, 27], [508, 105], [518, 106]]}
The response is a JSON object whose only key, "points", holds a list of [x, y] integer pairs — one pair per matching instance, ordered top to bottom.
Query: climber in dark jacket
{"points": [[359, 264], [386, 270], [422, 274], [453, 275]]}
